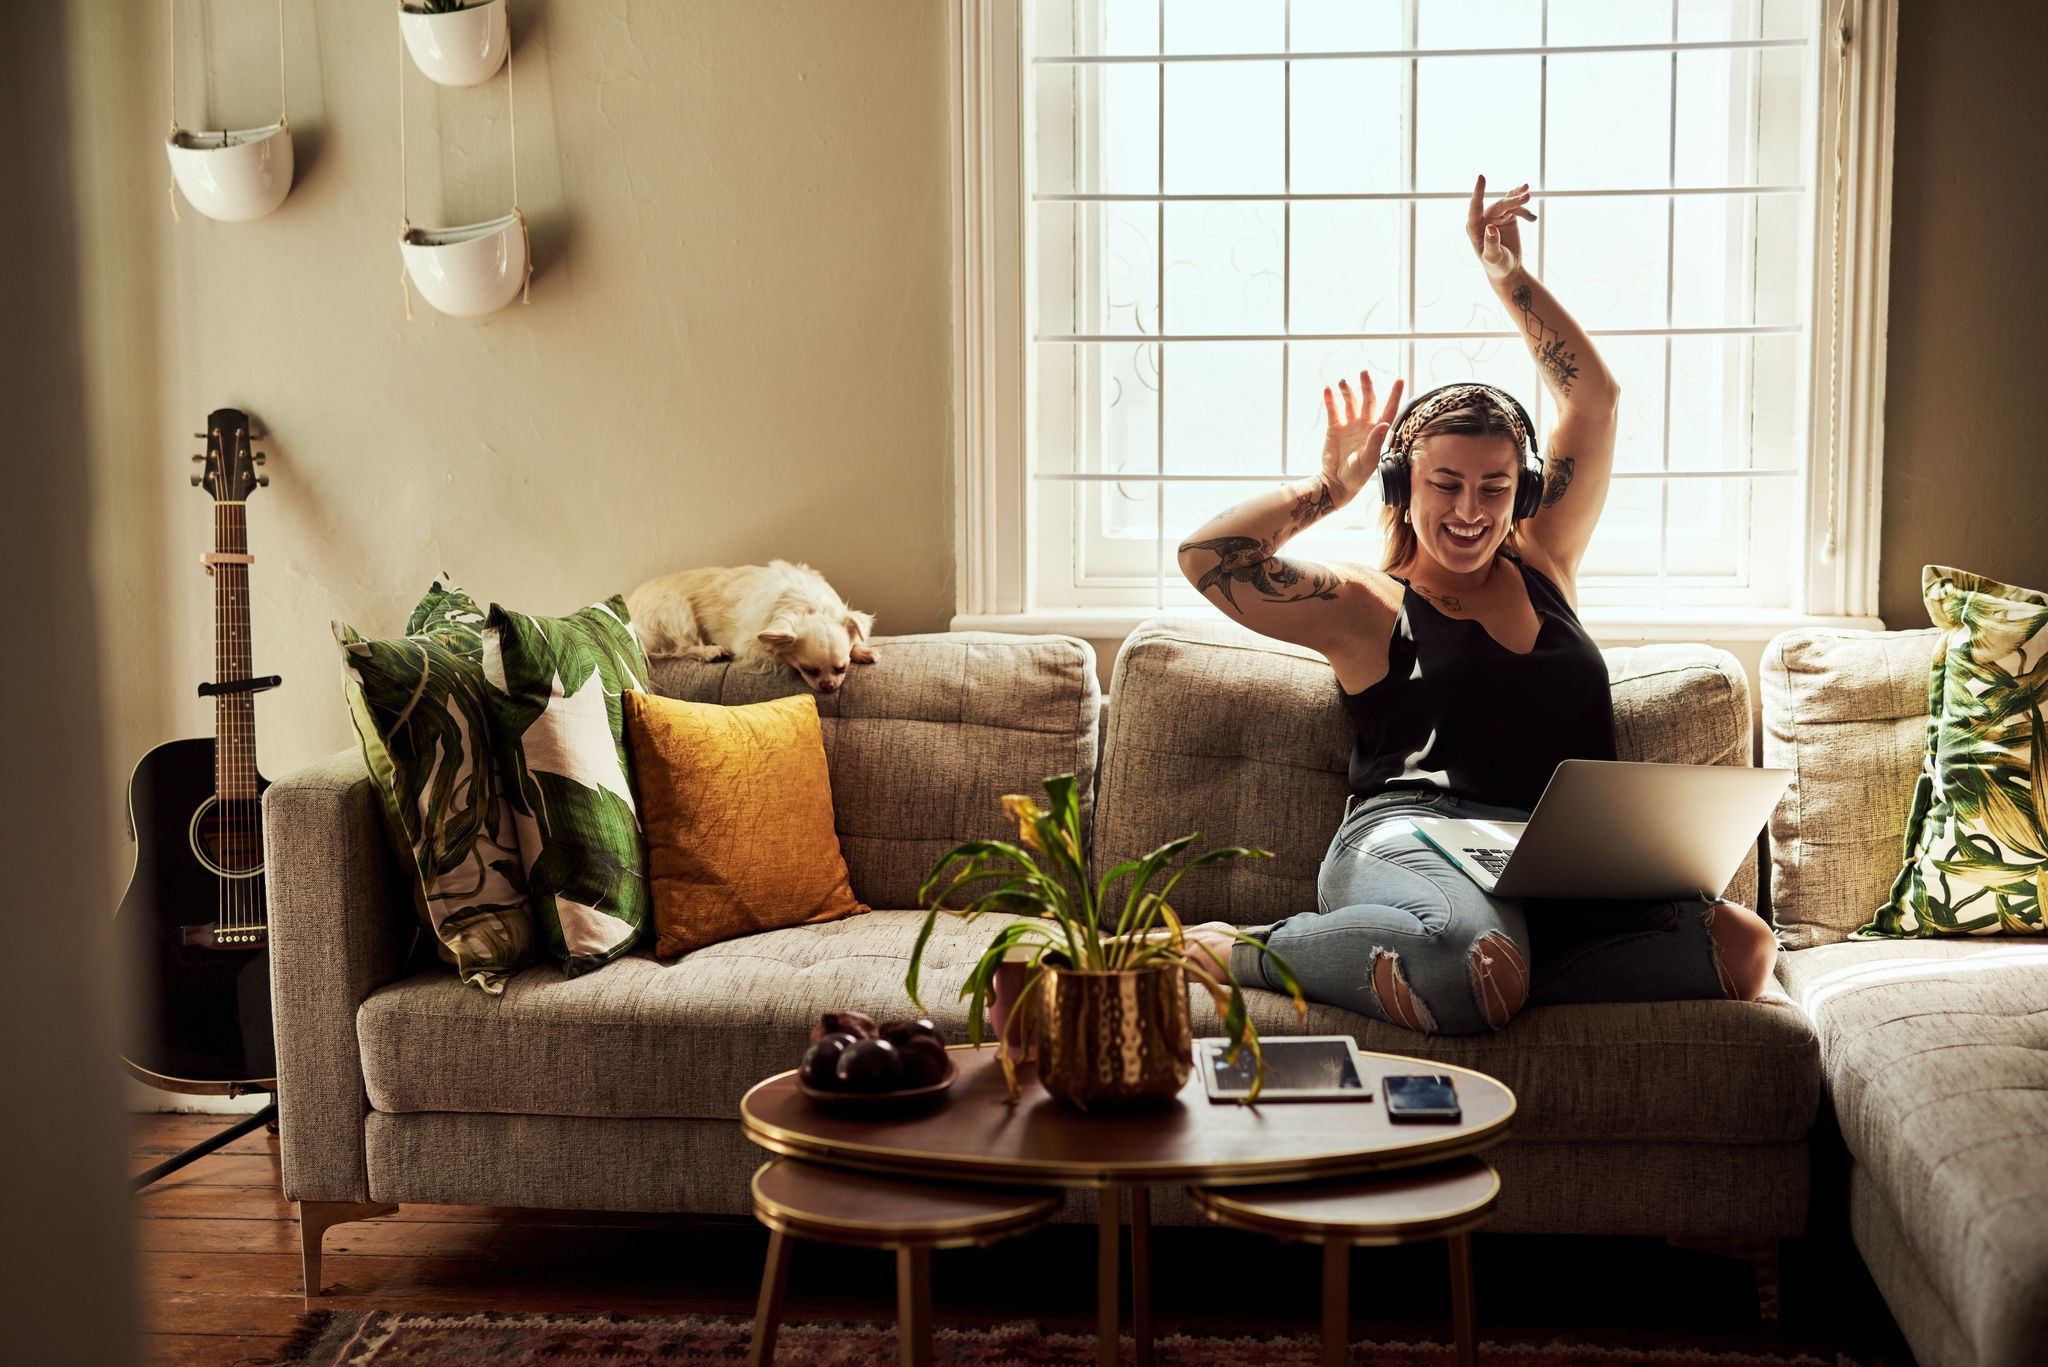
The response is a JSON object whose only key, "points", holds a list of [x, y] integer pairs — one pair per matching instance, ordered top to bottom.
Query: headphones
{"points": [[1395, 466]]}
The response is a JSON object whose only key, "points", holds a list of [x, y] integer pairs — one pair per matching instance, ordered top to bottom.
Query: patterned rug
{"points": [[385, 1339]]}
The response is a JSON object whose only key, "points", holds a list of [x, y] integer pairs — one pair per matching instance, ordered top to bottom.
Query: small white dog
{"points": [[760, 616]]}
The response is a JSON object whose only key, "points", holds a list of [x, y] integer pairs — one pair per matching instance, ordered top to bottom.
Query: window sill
{"points": [[1607, 625]]}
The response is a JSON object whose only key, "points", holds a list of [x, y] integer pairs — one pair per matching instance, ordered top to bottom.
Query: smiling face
{"points": [[1462, 497]]}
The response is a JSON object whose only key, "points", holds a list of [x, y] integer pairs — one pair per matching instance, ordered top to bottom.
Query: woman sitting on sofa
{"points": [[1469, 677]]}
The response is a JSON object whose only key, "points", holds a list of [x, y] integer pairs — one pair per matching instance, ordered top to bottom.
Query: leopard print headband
{"points": [[1449, 400]]}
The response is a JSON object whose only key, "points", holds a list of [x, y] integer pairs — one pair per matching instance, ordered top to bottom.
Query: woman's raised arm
{"points": [[1579, 454], [1234, 560]]}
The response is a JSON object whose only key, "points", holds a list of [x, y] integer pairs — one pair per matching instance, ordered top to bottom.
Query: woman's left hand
{"points": [[1496, 230]]}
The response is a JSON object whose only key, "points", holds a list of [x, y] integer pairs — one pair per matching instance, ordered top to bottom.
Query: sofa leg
{"points": [[315, 1219], [1760, 1254]]}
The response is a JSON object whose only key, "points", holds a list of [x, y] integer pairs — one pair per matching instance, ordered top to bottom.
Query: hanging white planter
{"points": [[459, 47], [232, 176], [475, 268], [471, 270]]}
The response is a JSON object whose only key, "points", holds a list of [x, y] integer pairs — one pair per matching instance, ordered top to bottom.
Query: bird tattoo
{"points": [[1246, 560]]}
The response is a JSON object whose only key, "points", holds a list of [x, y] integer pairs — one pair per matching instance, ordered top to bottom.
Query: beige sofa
{"points": [[1936, 1052], [618, 1090]]}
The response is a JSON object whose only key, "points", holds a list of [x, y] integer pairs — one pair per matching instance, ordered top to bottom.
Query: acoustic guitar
{"points": [[194, 917]]}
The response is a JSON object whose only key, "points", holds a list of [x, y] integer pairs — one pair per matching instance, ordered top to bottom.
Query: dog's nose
{"points": [[827, 686]]}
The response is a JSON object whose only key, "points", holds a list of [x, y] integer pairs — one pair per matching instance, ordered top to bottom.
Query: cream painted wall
{"points": [[737, 347]]}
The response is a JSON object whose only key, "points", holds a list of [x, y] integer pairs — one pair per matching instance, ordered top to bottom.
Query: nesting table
{"points": [[979, 1137]]}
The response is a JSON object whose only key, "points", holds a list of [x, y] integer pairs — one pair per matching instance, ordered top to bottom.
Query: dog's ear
{"points": [[858, 625], [779, 634]]}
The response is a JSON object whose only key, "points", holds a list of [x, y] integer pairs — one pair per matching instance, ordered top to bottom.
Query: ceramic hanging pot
{"points": [[458, 47], [233, 176], [471, 270]]}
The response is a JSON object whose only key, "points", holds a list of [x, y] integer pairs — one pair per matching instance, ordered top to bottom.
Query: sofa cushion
{"points": [[1846, 712], [1215, 729], [923, 743], [1978, 830], [644, 1038], [685, 1040], [1936, 1054]]}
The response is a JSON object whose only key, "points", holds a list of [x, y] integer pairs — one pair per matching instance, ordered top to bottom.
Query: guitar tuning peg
{"points": [[200, 435], [260, 457], [197, 459], [195, 480], [263, 481]]}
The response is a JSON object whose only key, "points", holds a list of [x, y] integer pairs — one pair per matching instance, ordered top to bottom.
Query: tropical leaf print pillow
{"points": [[554, 685], [419, 711], [1977, 834]]}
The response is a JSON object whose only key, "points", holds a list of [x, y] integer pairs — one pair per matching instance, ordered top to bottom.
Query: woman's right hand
{"points": [[1351, 448]]}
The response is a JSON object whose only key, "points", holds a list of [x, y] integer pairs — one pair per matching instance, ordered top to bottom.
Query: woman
{"points": [[1469, 677]]}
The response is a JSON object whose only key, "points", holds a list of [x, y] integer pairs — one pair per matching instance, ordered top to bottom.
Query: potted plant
{"points": [[455, 42], [1107, 962]]}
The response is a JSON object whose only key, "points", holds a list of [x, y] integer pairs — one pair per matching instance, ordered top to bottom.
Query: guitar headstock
{"points": [[228, 469]]}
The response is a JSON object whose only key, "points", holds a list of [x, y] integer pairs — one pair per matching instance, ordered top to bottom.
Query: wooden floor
{"points": [[220, 1273]]}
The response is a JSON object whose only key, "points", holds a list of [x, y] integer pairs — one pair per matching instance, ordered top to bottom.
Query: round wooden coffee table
{"points": [[978, 1135]]}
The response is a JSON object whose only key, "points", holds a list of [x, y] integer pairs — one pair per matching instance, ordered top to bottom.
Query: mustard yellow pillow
{"points": [[736, 803]]}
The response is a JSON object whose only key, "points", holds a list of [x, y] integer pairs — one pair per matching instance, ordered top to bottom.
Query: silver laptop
{"points": [[1606, 828]]}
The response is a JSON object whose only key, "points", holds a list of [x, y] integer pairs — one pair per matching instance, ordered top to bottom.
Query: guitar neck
{"points": [[234, 714]]}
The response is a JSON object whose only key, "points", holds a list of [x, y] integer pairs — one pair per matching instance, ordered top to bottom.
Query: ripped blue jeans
{"points": [[1402, 935]]}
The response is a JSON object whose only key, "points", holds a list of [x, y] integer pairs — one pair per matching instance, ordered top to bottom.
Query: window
{"points": [[1224, 205]]}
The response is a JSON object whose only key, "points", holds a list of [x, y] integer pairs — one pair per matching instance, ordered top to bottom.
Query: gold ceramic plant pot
{"points": [[1113, 1039]]}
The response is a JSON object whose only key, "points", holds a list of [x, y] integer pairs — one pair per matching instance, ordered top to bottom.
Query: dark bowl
{"points": [[881, 1105]]}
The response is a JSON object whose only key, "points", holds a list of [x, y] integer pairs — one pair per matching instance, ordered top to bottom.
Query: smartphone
{"points": [[1427, 1097]]}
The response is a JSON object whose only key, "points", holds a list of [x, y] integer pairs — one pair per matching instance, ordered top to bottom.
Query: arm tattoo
{"points": [[1560, 367], [1557, 478], [1311, 507], [1248, 560], [1443, 600]]}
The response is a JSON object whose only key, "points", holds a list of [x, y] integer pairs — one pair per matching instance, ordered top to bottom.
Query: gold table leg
{"points": [[1106, 1269], [1336, 1302], [914, 1307], [768, 1312]]}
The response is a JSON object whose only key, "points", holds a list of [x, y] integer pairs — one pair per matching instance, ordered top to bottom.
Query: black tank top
{"points": [[1461, 712]]}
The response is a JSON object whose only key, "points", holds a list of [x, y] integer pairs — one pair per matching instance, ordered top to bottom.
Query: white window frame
{"points": [[993, 488]]}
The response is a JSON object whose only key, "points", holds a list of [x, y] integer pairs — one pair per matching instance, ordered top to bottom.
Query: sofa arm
{"points": [[340, 927]]}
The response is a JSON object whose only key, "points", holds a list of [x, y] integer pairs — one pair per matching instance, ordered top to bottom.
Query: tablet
{"points": [[1298, 1068]]}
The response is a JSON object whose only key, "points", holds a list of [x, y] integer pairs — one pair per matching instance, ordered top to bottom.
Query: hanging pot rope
{"points": [[1842, 46], [283, 90], [405, 228]]}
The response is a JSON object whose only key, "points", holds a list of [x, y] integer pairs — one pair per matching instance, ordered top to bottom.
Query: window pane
{"points": [[1714, 21], [1479, 23], [1583, 23], [1226, 26], [1346, 26], [1120, 27], [1781, 98], [1714, 103], [1474, 115], [1348, 126], [1609, 126], [1224, 128], [1098, 130], [1604, 259], [1346, 264], [1223, 267], [1096, 269], [1710, 284], [1451, 289], [1503, 363], [1638, 366], [1709, 395], [1097, 406], [1222, 407], [1705, 528], [1626, 543]]}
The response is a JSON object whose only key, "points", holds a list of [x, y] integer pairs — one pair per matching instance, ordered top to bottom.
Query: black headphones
{"points": [[1395, 466]]}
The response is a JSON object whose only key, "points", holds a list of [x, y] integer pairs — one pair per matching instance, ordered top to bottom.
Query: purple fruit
{"points": [[856, 1023], [900, 1033], [924, 1061], [870, 1065], [820, 1067]]}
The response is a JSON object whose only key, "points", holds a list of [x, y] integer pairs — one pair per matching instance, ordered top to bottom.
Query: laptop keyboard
{"points": [[1493, 861]]}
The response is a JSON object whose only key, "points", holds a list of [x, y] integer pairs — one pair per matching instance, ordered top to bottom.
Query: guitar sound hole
{"points": [[228, 836]]}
